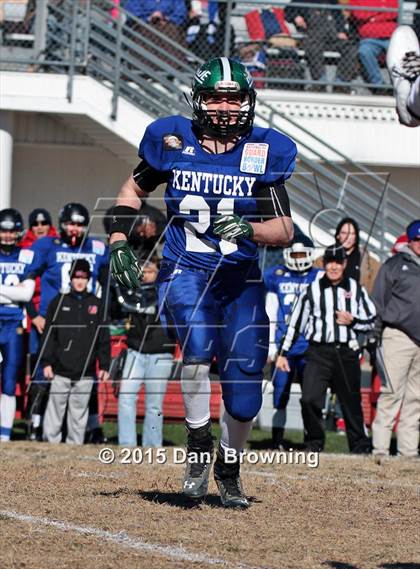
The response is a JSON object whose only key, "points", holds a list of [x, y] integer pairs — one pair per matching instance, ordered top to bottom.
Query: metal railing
{"points": [[270, 39], [153, 71]]}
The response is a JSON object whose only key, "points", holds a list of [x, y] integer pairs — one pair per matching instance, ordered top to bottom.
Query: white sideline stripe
{"points": [[121, 538]]}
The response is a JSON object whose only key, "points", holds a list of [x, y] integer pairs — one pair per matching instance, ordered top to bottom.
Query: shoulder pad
{"points": [[163, 140], [281, 154], [43, 243], [26, 256]]}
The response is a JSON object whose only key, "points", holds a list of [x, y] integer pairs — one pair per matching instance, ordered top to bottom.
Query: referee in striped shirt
{"points": [[329, 313]]}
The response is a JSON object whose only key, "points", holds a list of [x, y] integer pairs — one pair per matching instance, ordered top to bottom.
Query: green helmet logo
{"points": [[223, 75]]}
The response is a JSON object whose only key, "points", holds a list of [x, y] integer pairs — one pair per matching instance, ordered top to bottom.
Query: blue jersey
{"points": [[202, 186], [54, 259], [15, 268], [288, 286]]}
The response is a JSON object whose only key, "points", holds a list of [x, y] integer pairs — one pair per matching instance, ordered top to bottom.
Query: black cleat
{"points": [[199, 461], [229, 483]]}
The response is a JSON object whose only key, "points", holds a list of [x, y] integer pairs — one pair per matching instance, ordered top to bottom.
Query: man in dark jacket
{"points": [[325, 30], [396, 296], [75, 336]]}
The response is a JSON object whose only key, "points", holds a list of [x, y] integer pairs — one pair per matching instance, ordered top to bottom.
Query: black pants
{"points": [[322, 36], [338, 366]]}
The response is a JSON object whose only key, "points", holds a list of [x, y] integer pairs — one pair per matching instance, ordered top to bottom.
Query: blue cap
{"points": [[413, 230]]}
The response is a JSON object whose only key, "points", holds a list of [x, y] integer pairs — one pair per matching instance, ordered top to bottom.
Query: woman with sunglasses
{"points": [[39, 225]]}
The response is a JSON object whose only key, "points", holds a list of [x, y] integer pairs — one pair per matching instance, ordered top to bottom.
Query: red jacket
{"points": [[371, 24], [27, 240]]}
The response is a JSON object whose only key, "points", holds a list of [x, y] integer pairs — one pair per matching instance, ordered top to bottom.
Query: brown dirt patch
{"points": [[82, 514]]}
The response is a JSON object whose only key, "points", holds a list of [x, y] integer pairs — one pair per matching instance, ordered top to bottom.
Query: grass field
{"points": [[62, 508]]}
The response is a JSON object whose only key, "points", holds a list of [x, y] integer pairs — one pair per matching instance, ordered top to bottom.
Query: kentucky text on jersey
{"points": [[211, 183], [202, 185], [69, 257], [54, 259], [12, 268], [288, 286]]}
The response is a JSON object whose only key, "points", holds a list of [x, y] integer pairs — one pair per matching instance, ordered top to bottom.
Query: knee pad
{"points": [[242, 389], [243, 408]]}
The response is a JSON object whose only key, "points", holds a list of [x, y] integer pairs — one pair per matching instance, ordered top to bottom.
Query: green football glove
{"points": [[232, 226], [124, 265]]}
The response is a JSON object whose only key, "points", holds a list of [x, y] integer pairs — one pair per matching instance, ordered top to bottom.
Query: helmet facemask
{"points": [[223, 76], [218, 123], [76, 215], [11, 229], [7, 244], [298, 257]]}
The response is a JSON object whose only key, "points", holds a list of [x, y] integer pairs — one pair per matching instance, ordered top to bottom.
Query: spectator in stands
{"points": [[167, 17], [206, 28], [325, 30], [375, 30], [40, 225], [360, 266], [396, 295], [329, 313], [75, 337], [149, 361]]}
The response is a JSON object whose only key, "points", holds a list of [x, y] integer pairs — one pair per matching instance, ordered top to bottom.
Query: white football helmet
{"points": [[300, 255]]}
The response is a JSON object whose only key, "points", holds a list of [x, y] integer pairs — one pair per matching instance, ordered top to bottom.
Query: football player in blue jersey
{"points": [[225, 194], [54, 256], [17, 284], [284, 284]]}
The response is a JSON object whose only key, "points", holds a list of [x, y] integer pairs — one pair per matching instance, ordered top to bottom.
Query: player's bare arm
{"points": [[276, 227], [276, 232]]}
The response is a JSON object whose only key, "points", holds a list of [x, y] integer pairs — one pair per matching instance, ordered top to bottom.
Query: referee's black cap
{"points": [[335, 252]]}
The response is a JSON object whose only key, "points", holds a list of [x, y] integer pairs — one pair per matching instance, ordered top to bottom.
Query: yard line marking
{"points": [[123, 539]]}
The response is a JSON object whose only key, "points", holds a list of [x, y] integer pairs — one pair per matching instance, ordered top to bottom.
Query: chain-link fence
{"points": [[285, 45]]}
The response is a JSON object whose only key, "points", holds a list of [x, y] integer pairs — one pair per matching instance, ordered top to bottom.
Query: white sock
{"points": [[413, 101], [195, 385], [7, 415], [36, 420], [234, 433]]}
